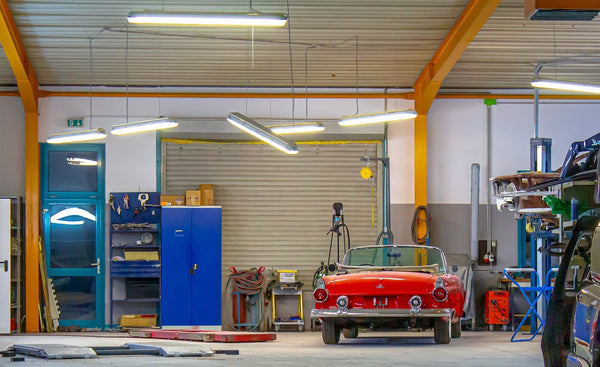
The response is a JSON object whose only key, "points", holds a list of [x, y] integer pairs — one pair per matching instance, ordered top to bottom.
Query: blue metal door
{"points": [[73, 226], [206, 260], [176, 300]]}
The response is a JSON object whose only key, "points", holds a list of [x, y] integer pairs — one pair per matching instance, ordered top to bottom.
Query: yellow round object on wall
{"points": [[366, 173], [529, 228]]}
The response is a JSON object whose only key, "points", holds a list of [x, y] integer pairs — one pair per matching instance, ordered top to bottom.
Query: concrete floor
{"points": [[480, 348]]}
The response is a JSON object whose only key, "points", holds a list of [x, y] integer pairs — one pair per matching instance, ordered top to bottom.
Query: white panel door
{"points": [[4, 266]]}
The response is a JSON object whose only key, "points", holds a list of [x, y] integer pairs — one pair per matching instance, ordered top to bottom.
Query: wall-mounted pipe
{"points": [[475, 170]]}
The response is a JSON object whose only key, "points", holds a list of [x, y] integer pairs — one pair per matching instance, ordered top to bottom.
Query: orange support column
{"points": [[28, 91], [420, 156], [32, 220]]}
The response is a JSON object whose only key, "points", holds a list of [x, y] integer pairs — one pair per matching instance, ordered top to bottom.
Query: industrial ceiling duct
{"points": [[572, 10]]}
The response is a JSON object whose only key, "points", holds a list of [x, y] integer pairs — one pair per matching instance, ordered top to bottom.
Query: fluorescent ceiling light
{"points": [[257, 19], [567, 86], [373, 118], [143, 126], [298, 128], [259, 131], [84, 135], [75, 161]]}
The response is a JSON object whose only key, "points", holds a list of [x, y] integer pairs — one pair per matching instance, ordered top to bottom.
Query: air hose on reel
{"points": [[415, 224], [246, 283]]}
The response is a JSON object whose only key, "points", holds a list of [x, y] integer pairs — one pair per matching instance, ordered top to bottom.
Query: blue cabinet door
{"points": [[206, 256], [176, 299]]}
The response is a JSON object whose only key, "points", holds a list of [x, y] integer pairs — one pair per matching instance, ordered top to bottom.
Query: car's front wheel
{"points": [[330, 331], [441, 331], [456, 331], [350, 333]]}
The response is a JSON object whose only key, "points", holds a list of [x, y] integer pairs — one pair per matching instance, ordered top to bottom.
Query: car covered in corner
{"points": [[390, 287]]}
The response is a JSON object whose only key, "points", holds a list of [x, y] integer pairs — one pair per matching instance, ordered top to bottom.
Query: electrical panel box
{"points": [[496, 307]]}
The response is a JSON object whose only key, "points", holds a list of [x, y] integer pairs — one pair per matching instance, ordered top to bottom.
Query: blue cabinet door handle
{"points": [[179, 232]]}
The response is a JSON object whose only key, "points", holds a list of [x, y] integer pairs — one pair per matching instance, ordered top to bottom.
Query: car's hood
{"points": [[380, 282]]}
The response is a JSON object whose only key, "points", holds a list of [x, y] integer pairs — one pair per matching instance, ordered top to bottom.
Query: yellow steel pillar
{"points": [[32, 228]]}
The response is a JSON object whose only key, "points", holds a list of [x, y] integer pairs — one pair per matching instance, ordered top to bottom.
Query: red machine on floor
{"points": [[496, 308]]}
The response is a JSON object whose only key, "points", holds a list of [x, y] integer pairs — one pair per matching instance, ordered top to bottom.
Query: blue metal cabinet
{"points": [[191, 266]]}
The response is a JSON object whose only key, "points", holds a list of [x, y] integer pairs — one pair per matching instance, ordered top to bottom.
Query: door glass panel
{"points": [[72, 171], [72, 236], [76, 297]]}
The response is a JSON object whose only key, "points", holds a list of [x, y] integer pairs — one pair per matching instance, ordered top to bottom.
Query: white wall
{"points": [[456, 129], [457, 138], [12, 147], [131, 160]]}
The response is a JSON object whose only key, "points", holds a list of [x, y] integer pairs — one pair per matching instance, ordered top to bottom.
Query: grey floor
{"points": [[482, 348]]}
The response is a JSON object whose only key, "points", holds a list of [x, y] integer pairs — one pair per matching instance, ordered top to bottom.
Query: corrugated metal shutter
{"points": [[277, 209]]}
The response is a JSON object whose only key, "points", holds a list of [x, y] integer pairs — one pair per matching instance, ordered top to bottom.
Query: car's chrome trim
{"points": [[390, 312], [575, 361]]}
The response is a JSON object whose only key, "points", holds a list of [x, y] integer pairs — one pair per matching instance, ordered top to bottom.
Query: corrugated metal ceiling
{"points": [[396, 38]]}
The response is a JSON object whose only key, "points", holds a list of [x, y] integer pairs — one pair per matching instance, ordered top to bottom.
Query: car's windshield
{"points": [[382, 256]]}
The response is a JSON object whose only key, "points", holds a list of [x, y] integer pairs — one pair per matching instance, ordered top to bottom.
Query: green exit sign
{"points": [[75, 123]]}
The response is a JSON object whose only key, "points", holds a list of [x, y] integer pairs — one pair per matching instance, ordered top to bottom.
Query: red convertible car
{"points": [[402, 287]]}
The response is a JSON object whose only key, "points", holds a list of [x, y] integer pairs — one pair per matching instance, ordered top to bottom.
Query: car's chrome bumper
{"points": [[381, 312]]}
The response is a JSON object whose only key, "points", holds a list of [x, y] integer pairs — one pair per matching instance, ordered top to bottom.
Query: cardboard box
{"points": [[192, 197], [207, 197], [172, 200], [140, 255], [138, 320]]}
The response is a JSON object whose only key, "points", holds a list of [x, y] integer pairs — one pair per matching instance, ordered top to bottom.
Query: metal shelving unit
{"points": [[16, 252], [135, 282]]}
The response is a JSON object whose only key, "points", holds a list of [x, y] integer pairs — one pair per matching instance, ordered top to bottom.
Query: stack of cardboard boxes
{"points": [[203, 196]]}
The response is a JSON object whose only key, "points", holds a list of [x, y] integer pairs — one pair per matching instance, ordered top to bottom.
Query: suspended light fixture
{"points": [[254, 19], [566, 86], [373, 118], [143, 126], [309, 127], [259, 131], [84, 135], [76, 161]]}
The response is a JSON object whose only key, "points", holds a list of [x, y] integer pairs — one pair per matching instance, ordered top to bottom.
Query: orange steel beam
{"points": [[473, 17], [467, 26], [17, 58], [28, 90], [407, 95]]}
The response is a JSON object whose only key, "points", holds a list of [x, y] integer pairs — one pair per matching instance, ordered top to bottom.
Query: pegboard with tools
{"points": [[134, 208]]}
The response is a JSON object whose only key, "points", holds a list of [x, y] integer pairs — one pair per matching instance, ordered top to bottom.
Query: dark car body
{"points": [[571, 336]]}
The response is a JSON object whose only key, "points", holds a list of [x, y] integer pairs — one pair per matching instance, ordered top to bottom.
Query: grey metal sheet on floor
{"points": [[167, 349], [54, 351]]}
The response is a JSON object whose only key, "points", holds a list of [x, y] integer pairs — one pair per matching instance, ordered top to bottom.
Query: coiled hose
{"points": [[415, 223], [246, 282]]}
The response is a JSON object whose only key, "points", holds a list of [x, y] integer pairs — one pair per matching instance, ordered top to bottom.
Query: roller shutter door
{"points": [[277, 208]]}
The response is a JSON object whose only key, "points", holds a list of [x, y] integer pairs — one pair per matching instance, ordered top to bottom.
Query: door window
{"points": [[73, 171], [72, 236]]}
